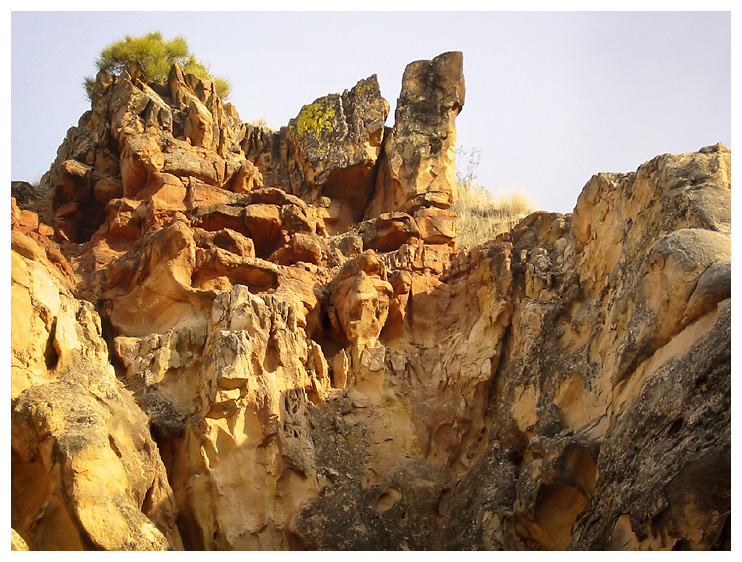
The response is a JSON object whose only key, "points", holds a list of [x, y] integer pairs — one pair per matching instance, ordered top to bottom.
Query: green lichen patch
{"points": [[315, 119]]}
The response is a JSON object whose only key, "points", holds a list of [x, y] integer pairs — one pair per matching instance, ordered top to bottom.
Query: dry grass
{"points": [[259, 122], [482, 216]]}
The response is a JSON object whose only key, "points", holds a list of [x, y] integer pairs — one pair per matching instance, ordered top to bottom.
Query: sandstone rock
{"points": [[199, 126], [133, 135], [335, 142], [268, 151], [141, 157], [418, 168], [247, 178], [75, 180], [106, 189], [25, 193], [273, 196], [34, 198], [220, 216], [27, 221], [263, 224], [437, 226], [388, 232], [226, 239], [33, 240], [301, 248], [714, 285], [361, 304], [205, 361], [255, 362], [584, 404], [82, 459], [362, 530], [17, 542]]}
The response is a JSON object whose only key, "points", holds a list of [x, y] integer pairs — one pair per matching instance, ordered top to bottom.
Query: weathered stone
{"points": [[199, 125], [335, 143], [268, 151], [141, 157], [418, 167], [247, 178], [74, 180], [107, 188], [25, 193], [273, 196], [220, 216], [28, 221], [264, 225], [437, 226], [388, 232], [226, 239], [149, 290], [361, 304], [253, 368], [83, 461], [17, 542]]}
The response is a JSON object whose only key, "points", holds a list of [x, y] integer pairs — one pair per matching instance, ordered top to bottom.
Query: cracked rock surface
{"points": [[226, 337]]}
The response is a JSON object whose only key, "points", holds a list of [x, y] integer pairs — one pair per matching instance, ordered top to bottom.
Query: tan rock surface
{"points": [[334, 144], [418, 168], [226, 337], [85, 471]]}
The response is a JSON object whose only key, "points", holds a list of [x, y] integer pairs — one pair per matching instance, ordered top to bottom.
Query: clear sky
{"points": [[552, 97]]}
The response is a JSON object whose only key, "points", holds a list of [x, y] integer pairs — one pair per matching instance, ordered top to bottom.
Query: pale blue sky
{"points": [[552, 98]]}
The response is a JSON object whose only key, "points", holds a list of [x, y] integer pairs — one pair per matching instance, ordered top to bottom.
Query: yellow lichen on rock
{"points": [[315, 119]]}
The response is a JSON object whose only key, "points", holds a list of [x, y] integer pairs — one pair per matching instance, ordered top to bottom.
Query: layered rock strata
{"points": [[227, 337]]}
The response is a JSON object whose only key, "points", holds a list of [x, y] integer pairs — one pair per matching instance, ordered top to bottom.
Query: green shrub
{"points": [[156, 56], [482, 216]]}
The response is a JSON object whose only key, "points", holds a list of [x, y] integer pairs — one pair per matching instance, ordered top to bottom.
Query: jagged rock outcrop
{"points": [[333, 146], [418, 168], [226, 337], [613, 373], [86, 474]]}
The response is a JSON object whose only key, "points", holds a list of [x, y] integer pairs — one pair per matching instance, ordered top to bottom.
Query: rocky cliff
{"points": [[230, 337]]}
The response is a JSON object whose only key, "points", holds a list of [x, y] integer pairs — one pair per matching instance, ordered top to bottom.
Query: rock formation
{"points": [[228, 337]]}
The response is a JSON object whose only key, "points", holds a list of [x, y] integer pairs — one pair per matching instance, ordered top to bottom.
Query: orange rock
{"points": [[432, 95], [74, 180], [106, 189], [27, 221], [264, 226], [437, 226], [45, 230], [389, 231], [306, 248], [361, 304], [254, 368]]}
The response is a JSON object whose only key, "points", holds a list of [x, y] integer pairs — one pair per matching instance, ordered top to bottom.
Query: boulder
{"points": [[388, 232]]}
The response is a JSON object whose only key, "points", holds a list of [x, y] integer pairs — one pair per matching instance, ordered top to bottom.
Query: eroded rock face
{"points": [[334, 143], [418, 167], [226, 337], [606, 368], [86, 474]]}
